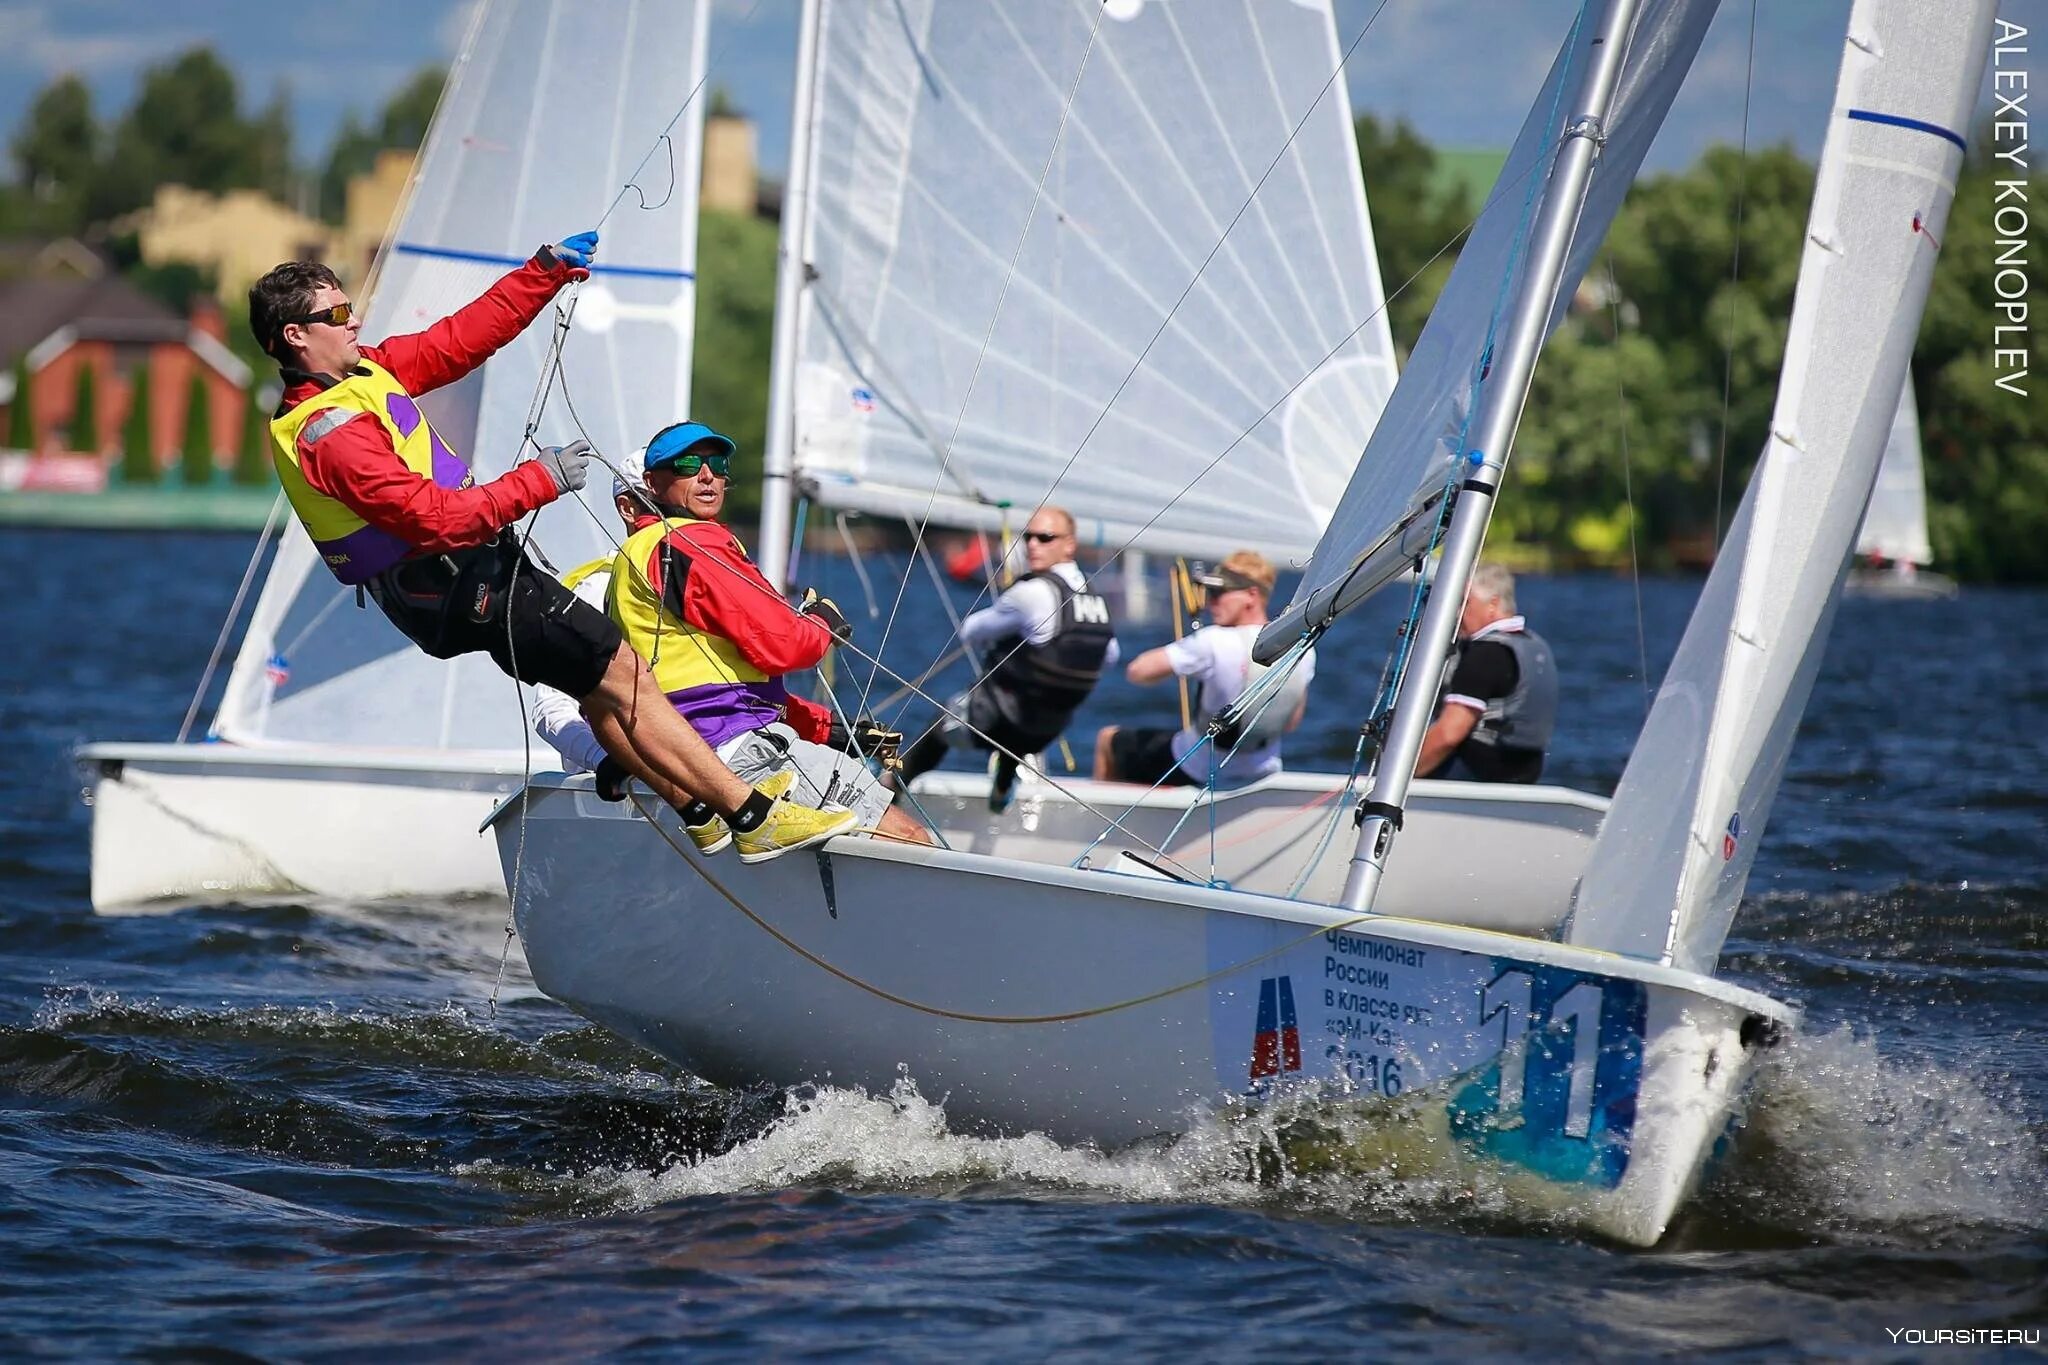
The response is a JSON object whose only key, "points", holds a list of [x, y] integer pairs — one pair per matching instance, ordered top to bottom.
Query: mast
{"points": [[1493, 433], [778, 460]]}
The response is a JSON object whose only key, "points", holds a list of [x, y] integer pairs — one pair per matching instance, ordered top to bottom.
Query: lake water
{"points": [[298, 1130]]}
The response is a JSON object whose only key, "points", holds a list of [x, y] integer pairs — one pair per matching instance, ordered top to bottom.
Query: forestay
{"points": [[547, 112], [934, 126], [1421, 440], [1895, 526], [1669, 865]]}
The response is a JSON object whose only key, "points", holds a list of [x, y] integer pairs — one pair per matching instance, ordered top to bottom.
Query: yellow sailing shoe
{"points": [[790, 826], [713, 836]]}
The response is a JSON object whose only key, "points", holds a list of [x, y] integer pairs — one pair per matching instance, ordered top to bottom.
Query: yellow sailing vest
{"points": [[354, 550], [681, 656]]}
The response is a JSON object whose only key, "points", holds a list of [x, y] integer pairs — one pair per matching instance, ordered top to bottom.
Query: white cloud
{"points": [[34, 39]]}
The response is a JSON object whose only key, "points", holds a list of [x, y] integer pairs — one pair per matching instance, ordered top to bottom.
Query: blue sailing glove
{"points": [[575, 252]]}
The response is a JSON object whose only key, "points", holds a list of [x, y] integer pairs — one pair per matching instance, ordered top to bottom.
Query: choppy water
{"points": [[296, 1130]]}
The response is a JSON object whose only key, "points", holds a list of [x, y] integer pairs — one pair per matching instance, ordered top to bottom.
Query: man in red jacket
{"points": [[396, 513], [718, 637]]}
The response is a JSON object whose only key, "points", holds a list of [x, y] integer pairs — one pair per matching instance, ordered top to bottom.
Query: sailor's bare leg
{"points": [[635, 723], [1105, 764], [899, 824]]}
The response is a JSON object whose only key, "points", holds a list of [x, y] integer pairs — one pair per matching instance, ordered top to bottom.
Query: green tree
{"points": [[402, 123], [185, 128], [58, 146], [1419, 221], [735, 327], [85, 411], [21, 425], [1985, 447], [138, 453], [196, 455], [252, 462]]}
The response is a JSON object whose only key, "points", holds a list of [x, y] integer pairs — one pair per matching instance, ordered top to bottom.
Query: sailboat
{"points": [[968, 327], [1892, 548], [342, 761], [1594, 1072]]}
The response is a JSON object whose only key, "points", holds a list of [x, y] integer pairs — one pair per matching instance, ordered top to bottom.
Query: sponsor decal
{"points": [[863, 399], [278, 670], [1731, 838], [1276, 1041]]}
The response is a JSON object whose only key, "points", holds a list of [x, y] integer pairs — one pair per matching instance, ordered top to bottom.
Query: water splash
{"points": [[1846, 1141]]}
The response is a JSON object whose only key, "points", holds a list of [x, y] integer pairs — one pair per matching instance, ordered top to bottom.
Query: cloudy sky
{"points": [[1462, 71]]}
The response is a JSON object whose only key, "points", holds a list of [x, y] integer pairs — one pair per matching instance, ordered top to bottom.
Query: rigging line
{"points": [[668, 128], [1052, 154], [1734, 278], [1635, 566], [234, 610], [970, 1016]]}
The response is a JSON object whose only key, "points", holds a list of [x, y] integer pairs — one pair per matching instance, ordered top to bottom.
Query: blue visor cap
{"points": [[672, 443]]}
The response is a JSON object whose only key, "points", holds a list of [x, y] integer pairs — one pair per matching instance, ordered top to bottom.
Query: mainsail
{"points": [[547, 113], [1008, 200], [1421, 441], [1895, 526], [1669, 866]]}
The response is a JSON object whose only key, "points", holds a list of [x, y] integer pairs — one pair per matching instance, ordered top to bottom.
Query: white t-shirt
{"points": [[1220, 657], [557, 718]]}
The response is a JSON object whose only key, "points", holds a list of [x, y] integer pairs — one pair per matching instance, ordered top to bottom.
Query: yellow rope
{"points": [[1181, 611], [968, 1016]]}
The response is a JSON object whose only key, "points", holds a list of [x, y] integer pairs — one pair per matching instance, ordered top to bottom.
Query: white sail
{"points": [[548, 111], [933, 378], [1417, 448], [1895, 526], [1672, 858]]}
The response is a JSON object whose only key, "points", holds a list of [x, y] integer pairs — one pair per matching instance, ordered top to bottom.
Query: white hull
{"points": [[1923, 586], [213, 822], [218, 822], [1535, 839], [947, 965]]}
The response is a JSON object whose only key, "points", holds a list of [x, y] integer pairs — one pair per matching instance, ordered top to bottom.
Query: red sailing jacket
{"points": [[355, 464], [724, 594]]}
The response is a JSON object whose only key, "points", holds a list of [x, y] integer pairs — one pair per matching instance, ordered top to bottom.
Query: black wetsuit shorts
{"points": [[493, 600]]}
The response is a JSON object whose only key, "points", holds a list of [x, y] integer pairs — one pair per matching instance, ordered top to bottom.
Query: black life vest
{"points": [[1038, 687]]}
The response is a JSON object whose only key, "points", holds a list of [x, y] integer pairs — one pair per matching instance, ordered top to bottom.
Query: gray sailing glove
{"points": [[568, 466]]}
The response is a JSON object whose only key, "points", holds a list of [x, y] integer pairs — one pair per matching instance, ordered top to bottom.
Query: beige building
{"points": [[731, 184], [371, 211], [238, 235]]}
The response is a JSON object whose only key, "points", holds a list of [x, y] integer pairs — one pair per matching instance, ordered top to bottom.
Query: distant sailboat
{"points": [[1892, 549], [343, 761]]}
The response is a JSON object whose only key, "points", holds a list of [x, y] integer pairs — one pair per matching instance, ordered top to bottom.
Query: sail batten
{"points": [[518, 154], [1095, 255], [1673, 856]]}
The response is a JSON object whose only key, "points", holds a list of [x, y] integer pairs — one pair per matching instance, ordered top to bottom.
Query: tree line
{"points": [[1648, 409]]}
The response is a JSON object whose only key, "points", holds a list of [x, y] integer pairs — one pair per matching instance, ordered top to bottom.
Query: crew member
{"points": [[395, 513], [719, 637], [1044, 643], [1219, 658], [1500, 705]]}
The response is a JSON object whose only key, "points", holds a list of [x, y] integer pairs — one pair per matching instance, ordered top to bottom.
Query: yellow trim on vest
{"points": [[326, 519], [602, 564], [679, 655]]}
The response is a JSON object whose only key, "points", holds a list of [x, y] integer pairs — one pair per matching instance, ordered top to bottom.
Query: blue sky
{"points": [[1462, 72]]}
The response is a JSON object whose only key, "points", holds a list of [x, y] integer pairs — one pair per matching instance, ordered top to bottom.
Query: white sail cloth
{"points": [[550, 108], [1009, 198], [1422, 437], [1895, 525], [1671, 860]]}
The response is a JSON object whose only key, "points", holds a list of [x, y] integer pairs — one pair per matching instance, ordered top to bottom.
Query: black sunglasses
{"points": [[337, 316], [688, 465], [1044, 537]]}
